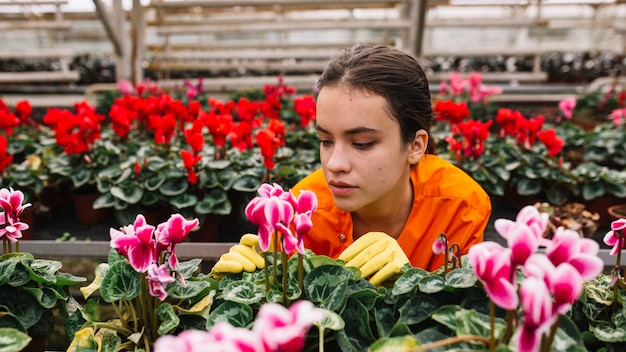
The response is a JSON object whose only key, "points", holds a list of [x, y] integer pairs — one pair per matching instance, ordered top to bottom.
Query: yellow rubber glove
{"points": [[377, 255], [240, 257]]}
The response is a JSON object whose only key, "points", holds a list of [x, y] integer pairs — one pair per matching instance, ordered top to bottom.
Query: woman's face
{"points": [[365, 161]]}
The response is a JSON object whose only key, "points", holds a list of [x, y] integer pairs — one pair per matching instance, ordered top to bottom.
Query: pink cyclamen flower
{"points": [[567, 106], [618, 116], [11, 203], [304, 205], [530, 216], [10, 230], [172, 232], [615, 237], [522, 241], [136, 243], [439, 245], [582, 253], [492, 265], [158, 278], [538, 314], [283, 329], [222, 337]]}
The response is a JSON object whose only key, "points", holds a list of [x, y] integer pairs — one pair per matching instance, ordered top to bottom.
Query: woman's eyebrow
{"points": [[351, 131]]}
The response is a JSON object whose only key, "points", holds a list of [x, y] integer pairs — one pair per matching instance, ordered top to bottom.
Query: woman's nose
{"points": [[337, 160]]}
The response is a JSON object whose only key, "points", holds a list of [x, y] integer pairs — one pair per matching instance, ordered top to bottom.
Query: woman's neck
{"points": [[387, 218]]}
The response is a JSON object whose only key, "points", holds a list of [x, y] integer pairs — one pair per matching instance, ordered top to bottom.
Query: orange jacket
{"points": [[446, 200]]}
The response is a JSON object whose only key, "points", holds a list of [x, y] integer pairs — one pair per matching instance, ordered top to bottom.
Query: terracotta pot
{"points": [[601, 205], [617, 211], [85, 213]]}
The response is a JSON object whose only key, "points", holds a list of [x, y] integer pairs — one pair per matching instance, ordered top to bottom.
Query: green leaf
{"points": [[81, 176], [154, 182], [247, 183], [174, 186], [527, 187], [592, 190], [130, 195], [106, 200], [184, 200], [7, 267], [188, 267], [43, 270], [461, 278], [66, 279], [409, 281], [120, 282], [431, 284], [327, 286], [189, 290], [243, 292], [46, 297], [24, 307], [418, 309], [235, 313], [446, 315], [169, 319], [332, 321], [471, 322], [608, 331], [357, 334], [13, 340], [394, 344]]}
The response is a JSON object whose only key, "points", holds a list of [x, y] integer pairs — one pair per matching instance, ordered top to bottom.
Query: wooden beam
{"points": [[35, 3], [268, 3], [31, 25], [284, 26], [113, 36], [37, 53], [247, 54], [250, 66], [41, 76]]}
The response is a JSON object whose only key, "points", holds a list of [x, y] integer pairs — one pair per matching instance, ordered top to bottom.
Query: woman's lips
{"points": [[341, 188]]}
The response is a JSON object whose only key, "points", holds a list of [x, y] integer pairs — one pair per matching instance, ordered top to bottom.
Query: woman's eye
{"points": [[325, 142], [363, 145]]}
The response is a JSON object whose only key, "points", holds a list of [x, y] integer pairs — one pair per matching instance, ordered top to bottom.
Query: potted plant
{"points": [[592, 108], [75, 153], [200, 156], [34, 292]]}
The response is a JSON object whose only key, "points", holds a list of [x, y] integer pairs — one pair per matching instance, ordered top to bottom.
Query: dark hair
{"points": [[392, 74]]}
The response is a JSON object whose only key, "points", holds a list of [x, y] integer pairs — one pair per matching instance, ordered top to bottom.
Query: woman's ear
{"points": [[418, 147]]}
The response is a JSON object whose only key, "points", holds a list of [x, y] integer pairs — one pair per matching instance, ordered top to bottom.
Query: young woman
{"points": [[379, 172], [383, 196]]}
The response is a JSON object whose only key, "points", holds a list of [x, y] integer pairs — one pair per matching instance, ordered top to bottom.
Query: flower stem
{"points": [[620, 238], [285, 262], [274, 271], [301, 272], [267, 273], [492, 325], [114, 327], [547, 344]]}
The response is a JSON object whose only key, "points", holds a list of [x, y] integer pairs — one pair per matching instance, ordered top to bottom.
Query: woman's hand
{"points": [[377, 255]]}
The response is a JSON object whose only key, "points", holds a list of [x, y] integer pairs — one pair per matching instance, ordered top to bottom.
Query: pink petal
{"points": [[618, 224]]}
